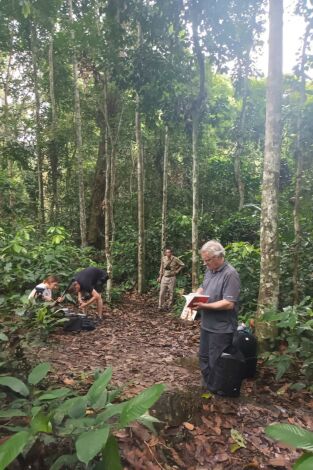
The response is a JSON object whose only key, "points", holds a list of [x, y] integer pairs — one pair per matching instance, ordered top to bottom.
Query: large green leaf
{"points": [[3, 337], [38, 373], [14, 384], [99, 386], [54, 394], [100, 403], [138, 405], [73, 407], [111, 410], [11, 413], [147, 420], [41, 423], [76, 426], [291, 435], [90, 443], [12, 448], [110, 455], [64, 461], [305, 462]]}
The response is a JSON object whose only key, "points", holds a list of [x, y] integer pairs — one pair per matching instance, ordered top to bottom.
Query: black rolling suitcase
{"points": [[247, 343], [228, 373]]}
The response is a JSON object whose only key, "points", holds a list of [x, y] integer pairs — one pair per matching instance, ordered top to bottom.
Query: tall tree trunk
{"points": [[196, 117], [6, 119], [79, 140], [240, 145], [111, 147], [39, 153], [53, 153], [299, 172], [140, 190], [164, 192], [108, 197], [96, 218], [107, 220], [269, 273]]}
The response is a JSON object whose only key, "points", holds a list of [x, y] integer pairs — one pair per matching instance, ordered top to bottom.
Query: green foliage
{"points": [[246, 259], [25, 261], [295, 332], [89, 420], [296, 437]]}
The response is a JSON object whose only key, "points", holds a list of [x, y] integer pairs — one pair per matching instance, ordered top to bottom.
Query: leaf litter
{"points": [[197, 430]]}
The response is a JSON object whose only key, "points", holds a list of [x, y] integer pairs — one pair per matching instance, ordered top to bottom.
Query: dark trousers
{"points": [[211, 347]]}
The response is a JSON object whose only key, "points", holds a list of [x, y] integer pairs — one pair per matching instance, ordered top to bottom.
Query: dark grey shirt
{"points": [[223, 284]]}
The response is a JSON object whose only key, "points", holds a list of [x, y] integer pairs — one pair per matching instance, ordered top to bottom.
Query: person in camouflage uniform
{"points": [[170, 267]]}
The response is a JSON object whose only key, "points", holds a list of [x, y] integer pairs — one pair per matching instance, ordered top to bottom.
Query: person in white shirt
{"points": [[43, 291]]}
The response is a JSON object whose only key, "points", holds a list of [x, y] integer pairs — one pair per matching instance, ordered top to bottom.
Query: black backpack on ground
{"points": [[79, 323], [247, 343], [228, 373]]}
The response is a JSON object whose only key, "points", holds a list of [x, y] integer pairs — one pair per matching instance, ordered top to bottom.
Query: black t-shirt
{"points": [[89, 278]]}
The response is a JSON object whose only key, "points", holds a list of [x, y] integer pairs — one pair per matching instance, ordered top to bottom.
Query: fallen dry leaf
{"points": [[189, 426]]}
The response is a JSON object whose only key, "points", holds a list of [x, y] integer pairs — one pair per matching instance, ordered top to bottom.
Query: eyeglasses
{"points": [[206, 261]]}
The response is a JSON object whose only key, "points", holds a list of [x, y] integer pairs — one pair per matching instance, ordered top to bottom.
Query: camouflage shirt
{"points": [[169, 266]]}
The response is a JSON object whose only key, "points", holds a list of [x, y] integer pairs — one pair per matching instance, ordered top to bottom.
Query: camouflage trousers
{"points": [[167, 291]]}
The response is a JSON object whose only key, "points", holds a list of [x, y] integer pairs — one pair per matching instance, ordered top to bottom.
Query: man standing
{"points": [[170, 267], [88, 284], [219, 316]]}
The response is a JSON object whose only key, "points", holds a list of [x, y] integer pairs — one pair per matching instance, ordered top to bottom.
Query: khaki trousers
{"points": [[167, 288]]}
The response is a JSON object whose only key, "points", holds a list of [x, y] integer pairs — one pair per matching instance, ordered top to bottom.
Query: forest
{"points": [[128, 127]]}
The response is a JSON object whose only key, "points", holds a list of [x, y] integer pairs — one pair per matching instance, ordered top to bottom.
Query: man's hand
{"points": [[159, 279], [82, 304], [218, 305], [200, 306]]}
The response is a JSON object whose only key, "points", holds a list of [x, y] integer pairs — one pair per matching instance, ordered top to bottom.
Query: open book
{"points": [[194, 298], [188, 313]]}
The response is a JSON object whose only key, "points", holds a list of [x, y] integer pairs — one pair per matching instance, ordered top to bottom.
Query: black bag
{"points": [[79, 323], [247, 343], [227, 373]]}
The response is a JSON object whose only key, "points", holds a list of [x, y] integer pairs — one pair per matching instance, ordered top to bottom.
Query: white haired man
{"points": [[219, 316]]}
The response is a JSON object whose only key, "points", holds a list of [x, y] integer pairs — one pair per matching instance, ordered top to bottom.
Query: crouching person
{"points": [[88, 285], [43, 291]]}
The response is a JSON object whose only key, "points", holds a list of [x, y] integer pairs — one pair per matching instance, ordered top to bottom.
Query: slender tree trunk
{"points": [[196, 116], [6, 120], [38, 127], [79, 140], [239, 149], [54, 163], [299, 173], [140, 191], [164, 193], [108, 197], [195, 202], [96, 219], [107, 219], [269, 274]]}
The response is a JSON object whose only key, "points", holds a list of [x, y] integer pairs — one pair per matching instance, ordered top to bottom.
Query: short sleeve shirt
{"points": [[170, 266], [89, 277], [223, 284], [43, 289]]}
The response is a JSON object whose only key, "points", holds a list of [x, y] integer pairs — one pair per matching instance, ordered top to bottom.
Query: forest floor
{"points": [[145, 347]]}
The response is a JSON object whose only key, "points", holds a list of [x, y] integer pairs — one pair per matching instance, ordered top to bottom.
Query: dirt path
{"points": [[145, 347]]}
